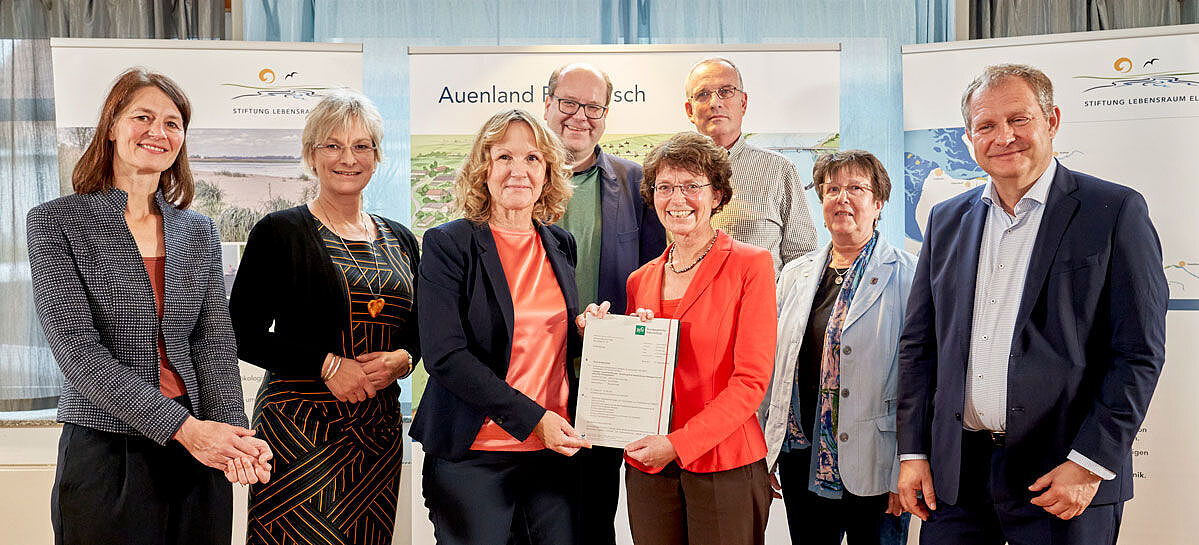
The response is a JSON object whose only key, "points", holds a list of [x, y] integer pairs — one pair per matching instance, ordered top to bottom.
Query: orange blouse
{"points": [[537, 366], [169, 381]]}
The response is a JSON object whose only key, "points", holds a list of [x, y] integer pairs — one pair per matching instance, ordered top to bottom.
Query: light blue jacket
{"points": [[869, 366]]}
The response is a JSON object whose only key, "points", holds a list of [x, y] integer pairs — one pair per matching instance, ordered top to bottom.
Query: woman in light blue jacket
{"points": [[829, 413]]}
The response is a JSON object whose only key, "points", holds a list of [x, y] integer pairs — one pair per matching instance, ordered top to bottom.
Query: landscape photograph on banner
{"points": [[437, 158], [241, 175]]}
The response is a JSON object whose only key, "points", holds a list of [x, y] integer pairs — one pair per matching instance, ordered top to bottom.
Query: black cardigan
{"points": [[287, 278]]}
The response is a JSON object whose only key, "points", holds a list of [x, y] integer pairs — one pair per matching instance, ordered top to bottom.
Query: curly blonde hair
{"points": [[471, 195]]}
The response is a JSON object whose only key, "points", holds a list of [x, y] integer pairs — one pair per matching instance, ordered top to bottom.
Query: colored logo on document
{"points": [[640, 330]]}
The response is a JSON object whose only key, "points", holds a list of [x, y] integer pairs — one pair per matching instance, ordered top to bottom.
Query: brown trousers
{"points": [[678, 507]]}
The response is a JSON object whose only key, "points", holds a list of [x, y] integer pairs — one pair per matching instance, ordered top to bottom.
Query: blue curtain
{"points": [[870, 31]]}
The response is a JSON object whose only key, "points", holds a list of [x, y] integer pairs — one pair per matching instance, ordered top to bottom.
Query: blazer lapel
{"points": [[1059, 210], [485, 244], [964, 255], [560, 262], [711, 265], [175, 271], [877, 274], [649, 291]]}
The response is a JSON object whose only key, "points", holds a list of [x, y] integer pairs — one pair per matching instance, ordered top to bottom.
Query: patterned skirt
{"points": [[336, 469]]}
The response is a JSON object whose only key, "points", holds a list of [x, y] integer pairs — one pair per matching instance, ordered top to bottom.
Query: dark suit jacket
{"points": [[631, 233], [98, 310], [466, 318], [1088, 346]]}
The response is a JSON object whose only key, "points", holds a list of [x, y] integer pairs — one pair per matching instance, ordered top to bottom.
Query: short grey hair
{"points": [[712, 60], [1036, 79], [336, 109]]}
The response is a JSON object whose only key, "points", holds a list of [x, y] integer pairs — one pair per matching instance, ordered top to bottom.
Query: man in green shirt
{"points": [[616, 232]]}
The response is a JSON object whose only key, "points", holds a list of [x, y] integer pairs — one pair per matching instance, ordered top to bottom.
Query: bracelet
{"points": [[333, 367]]}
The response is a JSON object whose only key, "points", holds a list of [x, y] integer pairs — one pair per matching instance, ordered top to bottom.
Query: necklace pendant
{"points": [[838, 280], [375, 306]]}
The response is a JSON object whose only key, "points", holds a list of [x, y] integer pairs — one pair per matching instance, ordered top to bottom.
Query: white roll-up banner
{"points": [[249, 101], [793, 102], [1129, 103]]}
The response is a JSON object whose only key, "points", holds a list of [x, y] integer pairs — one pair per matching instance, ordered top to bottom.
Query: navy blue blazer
{"points": [[631, 234], [466, 318], [1088, 346]]}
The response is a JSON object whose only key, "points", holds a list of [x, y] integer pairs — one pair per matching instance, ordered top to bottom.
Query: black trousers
{"points": [[114, 488], [599, 495], [494, 498], [986, 514], [814, 520]]}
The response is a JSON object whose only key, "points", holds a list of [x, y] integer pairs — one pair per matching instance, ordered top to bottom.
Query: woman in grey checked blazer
{"points": [[129, 290]]}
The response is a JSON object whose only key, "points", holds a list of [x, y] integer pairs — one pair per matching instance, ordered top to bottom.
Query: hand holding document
{"points": [[627, 379]]}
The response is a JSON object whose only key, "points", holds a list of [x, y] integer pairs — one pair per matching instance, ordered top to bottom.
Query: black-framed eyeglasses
{"points": [[723, 93], [571, 107], [334, 150], [689, 190], [832, 191]]}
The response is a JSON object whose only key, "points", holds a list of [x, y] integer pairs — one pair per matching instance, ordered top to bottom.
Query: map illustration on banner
{"points": [[1121, 112], [435, 159]]}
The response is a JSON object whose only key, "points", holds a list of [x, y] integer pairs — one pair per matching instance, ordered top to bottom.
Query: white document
{"points": [[627, 379]]}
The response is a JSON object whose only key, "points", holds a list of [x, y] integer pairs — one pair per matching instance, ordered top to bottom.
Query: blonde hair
{"points": [[339, 109], [471, 195]]}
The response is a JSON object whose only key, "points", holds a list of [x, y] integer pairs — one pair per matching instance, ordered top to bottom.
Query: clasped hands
{"points": [[360, 378], [651, 450], [245, 459], [1068, 489]]}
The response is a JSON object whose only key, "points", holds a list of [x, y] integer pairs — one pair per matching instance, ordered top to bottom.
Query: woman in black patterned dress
{"points": [[324, 300]]}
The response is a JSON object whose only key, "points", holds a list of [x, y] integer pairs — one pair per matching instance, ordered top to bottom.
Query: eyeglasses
{"points": [[724, 93], [570, 107], [334, 150], [689, 190], [831, 191]]}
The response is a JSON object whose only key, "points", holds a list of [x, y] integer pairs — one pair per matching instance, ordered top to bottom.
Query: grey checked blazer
{"points": [[98, 310]]}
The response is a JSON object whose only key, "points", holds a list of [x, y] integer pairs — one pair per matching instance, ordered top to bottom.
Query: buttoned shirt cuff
{"points": [[906, 457], [1091, 466]]}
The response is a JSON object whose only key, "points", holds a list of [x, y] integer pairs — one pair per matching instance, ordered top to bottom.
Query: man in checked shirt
{"points": [[768, 207]]}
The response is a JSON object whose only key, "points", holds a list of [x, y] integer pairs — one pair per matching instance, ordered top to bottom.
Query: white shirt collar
{"points": [[1039, 192]]}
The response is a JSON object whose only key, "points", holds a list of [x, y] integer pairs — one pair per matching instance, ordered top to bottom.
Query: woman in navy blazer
{"points": [[129, 289], [497, 295]]}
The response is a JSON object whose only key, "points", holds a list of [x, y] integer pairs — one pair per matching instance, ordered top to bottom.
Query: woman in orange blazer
{"points": [[706, 481]]}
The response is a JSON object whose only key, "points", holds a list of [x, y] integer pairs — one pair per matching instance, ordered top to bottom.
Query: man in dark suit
{"points": [[1034, 337]]}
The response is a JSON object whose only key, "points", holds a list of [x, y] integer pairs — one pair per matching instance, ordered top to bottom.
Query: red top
{"points": [[727, 331], [538, 364], [169, 381]]}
